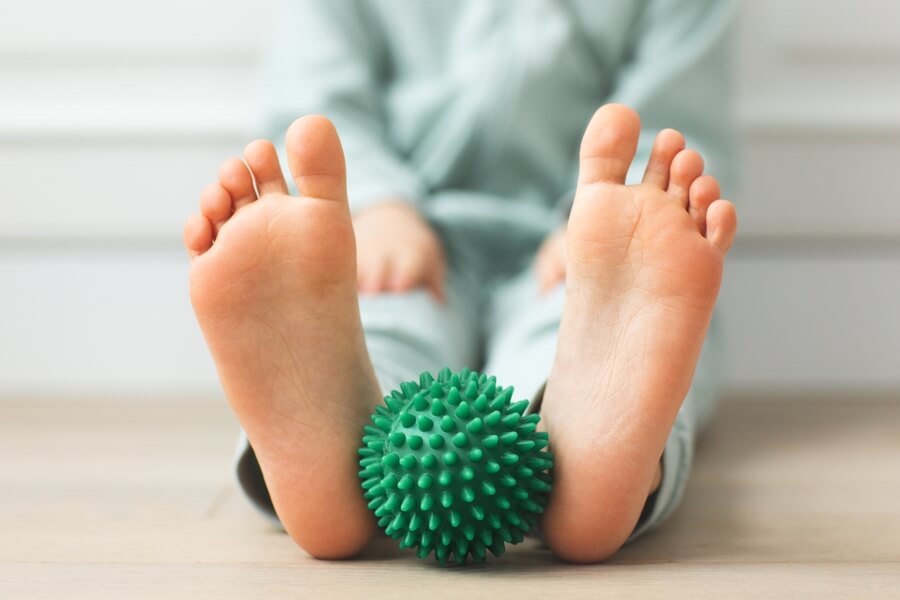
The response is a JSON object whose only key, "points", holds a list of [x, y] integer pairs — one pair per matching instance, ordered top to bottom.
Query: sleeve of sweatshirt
{"points": [[329, 57], [679, 74]]}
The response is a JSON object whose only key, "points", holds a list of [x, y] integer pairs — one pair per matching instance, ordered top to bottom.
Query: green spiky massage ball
{"points": [[451, 466]]}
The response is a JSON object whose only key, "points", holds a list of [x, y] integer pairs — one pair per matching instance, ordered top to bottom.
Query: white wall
{"points": [[113, 115], [812, 291]]}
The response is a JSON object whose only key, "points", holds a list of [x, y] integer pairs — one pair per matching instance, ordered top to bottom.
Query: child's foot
{"points": [[644, 268], [273, 284]]}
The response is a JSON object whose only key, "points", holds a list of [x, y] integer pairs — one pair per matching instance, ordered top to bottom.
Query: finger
{"points": [[550, 268], [542, 269], [408, 272], [373, 276], [556, 276], [436, 279]]}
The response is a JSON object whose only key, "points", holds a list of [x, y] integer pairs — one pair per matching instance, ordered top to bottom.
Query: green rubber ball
{"points": [[451, 466]]}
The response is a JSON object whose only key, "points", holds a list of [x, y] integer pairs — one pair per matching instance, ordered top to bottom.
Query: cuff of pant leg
{"points": [[534, 407], [250, 479], [664, 499], [650, 504]]}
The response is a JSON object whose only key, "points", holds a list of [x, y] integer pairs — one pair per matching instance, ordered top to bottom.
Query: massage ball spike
{"points": [[454, 468]]}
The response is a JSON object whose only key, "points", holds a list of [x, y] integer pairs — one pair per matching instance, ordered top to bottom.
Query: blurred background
{"points": [[113, 115]]}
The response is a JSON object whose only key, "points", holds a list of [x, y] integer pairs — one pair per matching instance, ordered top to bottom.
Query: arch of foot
{"points": [[451, 465]]}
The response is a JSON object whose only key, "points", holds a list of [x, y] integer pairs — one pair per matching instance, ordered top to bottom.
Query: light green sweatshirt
{"points": [[475, 108]]}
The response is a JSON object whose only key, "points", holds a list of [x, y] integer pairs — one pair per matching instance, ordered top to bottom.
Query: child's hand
{"points": [[397, 251], [550, 262]]}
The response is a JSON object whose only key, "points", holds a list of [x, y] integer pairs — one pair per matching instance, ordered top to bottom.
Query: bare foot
{"points": [[644, 264], [273, 284]]}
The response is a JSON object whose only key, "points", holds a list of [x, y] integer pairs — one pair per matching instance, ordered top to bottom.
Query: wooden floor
{"points": [[135, 500]]}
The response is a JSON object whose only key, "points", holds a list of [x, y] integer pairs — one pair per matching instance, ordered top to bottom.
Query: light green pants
{"points": [[496, 321]]}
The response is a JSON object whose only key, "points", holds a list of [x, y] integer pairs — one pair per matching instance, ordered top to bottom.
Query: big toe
{"points": [[609, 144], [316, 158]]}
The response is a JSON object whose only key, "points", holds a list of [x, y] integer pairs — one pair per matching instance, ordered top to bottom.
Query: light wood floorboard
{"points": [[136, 500]]}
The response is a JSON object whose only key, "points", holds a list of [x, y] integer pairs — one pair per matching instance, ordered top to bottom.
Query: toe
{"points": [[668, 143], [609, 144], [316, 158], [262, 159], [686, 167], [236, 179], [703, 192], [215, 205], [721, 224], [198, 235]]}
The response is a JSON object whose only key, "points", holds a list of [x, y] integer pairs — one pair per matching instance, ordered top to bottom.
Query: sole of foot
{"points": [[644, 265], [273, 285]]}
